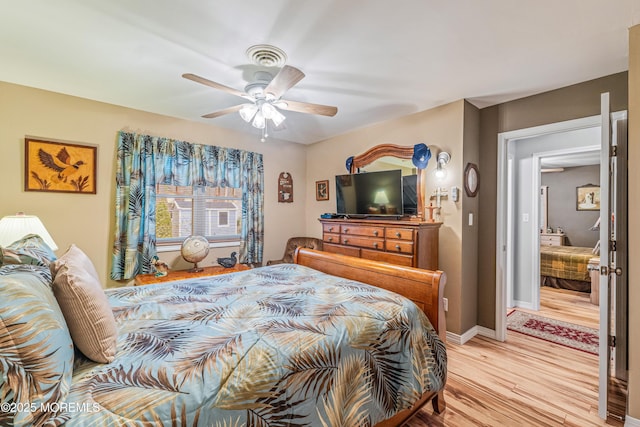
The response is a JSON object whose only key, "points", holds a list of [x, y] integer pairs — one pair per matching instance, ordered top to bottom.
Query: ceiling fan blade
{"points": [[286, 78], [215, 85], [305, 107], [223, 112]]}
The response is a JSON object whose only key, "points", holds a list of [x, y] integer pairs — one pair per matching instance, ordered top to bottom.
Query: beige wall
{"points": [[442, 130], [87, 220], [634, 223]]}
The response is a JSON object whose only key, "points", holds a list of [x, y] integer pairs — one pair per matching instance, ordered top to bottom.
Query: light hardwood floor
{"points": [[524, 381]]}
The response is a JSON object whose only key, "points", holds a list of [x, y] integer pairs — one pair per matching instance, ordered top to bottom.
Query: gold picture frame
{"points": [[57, 166], [322, 190], [588, 198]]}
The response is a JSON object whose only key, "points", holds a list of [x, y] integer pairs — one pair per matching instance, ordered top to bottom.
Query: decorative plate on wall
{"points": [[471, 179]]}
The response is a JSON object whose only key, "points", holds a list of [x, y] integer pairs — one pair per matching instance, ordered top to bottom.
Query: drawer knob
{"points": [[330, 228], [346, 230], [375, 233], [398, 234], [330, 239], [345, 241], [375, 245], [398, 247]]}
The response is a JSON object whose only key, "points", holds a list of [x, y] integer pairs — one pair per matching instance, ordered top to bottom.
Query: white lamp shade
{"points": [[248, 111], [381, 198], [15, 227]]}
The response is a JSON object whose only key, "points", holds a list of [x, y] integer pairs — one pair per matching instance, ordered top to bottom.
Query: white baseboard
{"points": [[523, 304], [476, 330], [631, 422]]}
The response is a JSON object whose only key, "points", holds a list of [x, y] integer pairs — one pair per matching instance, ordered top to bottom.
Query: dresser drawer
{"points": [[331, 228], [359, 230], [399, 233], [331, 238], [550, 240], [363, 242], [399, 246], [343, 250], [399, 259]]}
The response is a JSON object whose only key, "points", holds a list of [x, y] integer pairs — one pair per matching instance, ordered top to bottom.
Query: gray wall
{"points": [[562, 204]]}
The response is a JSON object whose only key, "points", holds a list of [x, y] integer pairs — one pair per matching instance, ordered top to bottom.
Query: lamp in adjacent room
{"points": [[442, 159], [381, 199], [15, 227]]}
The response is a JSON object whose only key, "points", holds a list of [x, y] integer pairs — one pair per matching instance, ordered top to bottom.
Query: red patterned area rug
{"points": [[556, 331]]}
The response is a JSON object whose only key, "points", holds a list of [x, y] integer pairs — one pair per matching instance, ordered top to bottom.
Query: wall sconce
{"points": [[443, 158], [15, 227]]}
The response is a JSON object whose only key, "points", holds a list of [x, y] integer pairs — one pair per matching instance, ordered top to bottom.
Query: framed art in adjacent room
{"points": [[57, 166], [322, 190], [588, 198]]}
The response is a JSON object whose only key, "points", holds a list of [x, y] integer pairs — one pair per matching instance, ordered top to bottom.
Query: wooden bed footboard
{"points": [[424, 287]]}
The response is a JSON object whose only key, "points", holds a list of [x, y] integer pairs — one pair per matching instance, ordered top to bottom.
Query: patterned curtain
{"points": [[145, 161]]}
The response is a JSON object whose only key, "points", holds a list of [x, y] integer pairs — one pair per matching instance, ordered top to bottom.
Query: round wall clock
{"points": [[471, 179]]}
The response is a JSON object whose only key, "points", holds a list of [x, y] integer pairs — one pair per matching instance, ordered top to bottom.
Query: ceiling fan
{"points": [[265, 96]]}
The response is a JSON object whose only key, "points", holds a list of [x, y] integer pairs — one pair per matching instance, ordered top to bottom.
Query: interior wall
{"points": [[572, 102], [442, 130], [562, 210], [469, 218], [88, 220], [633, 397]]}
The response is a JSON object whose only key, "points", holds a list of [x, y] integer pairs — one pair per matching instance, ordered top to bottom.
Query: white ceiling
{"points": [[373, 59]]}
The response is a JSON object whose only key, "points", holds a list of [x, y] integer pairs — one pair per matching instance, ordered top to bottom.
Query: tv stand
{"points": [[408, 242]]}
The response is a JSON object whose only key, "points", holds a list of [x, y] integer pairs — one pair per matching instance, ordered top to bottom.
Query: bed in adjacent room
{"points": [[566, 267], [304, 344]]}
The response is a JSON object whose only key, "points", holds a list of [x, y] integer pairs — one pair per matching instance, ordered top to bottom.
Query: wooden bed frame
{"points": [[424, 287]]}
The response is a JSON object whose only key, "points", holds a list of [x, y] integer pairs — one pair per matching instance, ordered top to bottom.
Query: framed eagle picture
{"points": [[59, 166]]}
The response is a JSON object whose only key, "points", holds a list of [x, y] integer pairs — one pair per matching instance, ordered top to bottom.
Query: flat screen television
{"points": [[370, 194]]}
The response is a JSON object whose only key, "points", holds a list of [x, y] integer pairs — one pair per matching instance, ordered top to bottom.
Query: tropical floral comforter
{"points": [[283, 345]]}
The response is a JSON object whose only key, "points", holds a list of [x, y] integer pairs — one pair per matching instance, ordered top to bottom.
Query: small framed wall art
{"points": [[55, 166], [285, 188], [322, 190], [588, 198]]}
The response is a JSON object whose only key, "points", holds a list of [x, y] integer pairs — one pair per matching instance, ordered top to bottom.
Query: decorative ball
{"points": [[194, 249]]}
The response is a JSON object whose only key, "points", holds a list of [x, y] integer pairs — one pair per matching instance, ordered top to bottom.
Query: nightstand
{"points": [[552, 239], [151, 278]]}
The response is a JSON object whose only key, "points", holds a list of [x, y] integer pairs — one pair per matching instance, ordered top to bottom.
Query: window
{"points": [[213, 212], [223, 218]]}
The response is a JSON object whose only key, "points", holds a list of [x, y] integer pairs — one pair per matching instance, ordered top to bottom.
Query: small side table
{"points": [[151, 278]]}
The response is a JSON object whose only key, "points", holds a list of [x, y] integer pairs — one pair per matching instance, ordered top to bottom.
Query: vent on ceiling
{"points": [[267, 55]]}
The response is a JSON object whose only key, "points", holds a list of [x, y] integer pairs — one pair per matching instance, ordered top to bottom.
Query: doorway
{"points": [[518, 230]]}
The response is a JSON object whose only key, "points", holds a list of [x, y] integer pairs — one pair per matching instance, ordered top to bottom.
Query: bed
{"points": [[566, 267], [304, 344]]}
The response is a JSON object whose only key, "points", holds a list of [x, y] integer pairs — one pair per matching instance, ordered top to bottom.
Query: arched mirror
{"points": [[390, 156]]}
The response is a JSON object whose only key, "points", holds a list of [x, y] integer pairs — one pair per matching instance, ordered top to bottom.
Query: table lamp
{"points": [[15, 227]]}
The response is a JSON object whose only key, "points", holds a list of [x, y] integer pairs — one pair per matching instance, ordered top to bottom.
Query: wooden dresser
{"points": [[552, 239], [403, 242]]}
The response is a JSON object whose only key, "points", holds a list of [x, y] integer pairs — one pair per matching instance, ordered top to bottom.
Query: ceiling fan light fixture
{"points": [[268, 110], [248, 111], [277, 118], [259, 121]]}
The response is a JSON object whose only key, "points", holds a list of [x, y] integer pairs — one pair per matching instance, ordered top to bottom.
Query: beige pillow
{"points": [[84, 305]]}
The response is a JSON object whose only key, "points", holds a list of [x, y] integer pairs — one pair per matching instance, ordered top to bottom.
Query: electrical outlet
{"points": [[446, 303]]}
